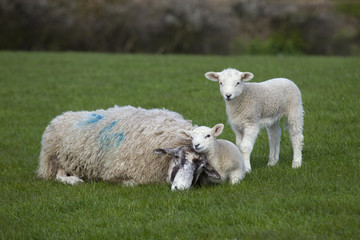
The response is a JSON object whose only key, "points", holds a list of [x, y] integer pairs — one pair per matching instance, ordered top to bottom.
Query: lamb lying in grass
{"points": [[252, 106], [222, 155]]}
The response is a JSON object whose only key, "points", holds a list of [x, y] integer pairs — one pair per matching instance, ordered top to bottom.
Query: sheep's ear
{"points": [[213, 76], [246, 76], [217, 129], [184, 134], [164, 151], [211, 172]]}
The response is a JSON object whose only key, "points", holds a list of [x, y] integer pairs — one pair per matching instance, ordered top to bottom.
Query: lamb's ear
{"points": [[213, 76], [246, 76], [217, 129], [184, 134], [164, 151], [211, 172]]}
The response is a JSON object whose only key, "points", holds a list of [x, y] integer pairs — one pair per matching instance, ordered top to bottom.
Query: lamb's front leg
{"points": [[239, 134], [247, 144], [236, 176]]}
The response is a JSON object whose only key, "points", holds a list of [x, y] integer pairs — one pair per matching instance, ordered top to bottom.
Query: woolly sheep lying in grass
{"points": [[252, 106], [115, 145], [222, 155]]}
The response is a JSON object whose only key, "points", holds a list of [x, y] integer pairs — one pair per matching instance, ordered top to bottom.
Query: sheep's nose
{"points": [[228, 96], [197, 145]]}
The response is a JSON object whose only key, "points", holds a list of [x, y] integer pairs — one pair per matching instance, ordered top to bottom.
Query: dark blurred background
{"points": [[322, 27]]}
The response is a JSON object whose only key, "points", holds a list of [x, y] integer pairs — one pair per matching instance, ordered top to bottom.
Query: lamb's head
{"points": [[231, 81], [202, 138], [186, 166]]}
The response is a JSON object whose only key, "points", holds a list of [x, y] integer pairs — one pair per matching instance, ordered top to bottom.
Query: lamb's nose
{"points": [[228, 96], [197, 145]]}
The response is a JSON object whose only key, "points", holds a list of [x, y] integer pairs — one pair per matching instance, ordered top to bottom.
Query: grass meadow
{"points": [[321, 200]]}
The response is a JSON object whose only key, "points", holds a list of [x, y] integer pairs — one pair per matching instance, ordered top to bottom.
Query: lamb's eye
{"points": [[220, 83], [237, 83], [207, 136]]}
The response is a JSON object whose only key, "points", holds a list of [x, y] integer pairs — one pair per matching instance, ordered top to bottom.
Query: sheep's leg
{"points": [[295, 123], [239, 133], [274, 133], [297, 143], [247, 144], [236, 176], [64, 178], [129, 183]]}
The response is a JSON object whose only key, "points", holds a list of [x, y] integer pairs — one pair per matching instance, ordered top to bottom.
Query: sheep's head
{"points": [[231, 81], [202, 138], [186, 166]]}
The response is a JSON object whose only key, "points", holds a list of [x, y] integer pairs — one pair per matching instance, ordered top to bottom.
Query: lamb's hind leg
{"points": [[295, 124], [274, 133], [297, 143], [64, 178]]}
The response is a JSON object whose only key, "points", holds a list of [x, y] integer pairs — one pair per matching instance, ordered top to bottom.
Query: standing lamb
{"points": [[252, 106], [114, 145], [222, 155]]}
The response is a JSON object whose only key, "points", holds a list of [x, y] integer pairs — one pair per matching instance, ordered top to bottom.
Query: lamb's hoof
{"points": [[272, 163], [296, 164], [248, 170], [235, 181]]}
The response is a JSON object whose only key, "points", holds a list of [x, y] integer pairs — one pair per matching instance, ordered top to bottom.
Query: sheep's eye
{"points": [[220, 83], [237, 83], [207, 136]]}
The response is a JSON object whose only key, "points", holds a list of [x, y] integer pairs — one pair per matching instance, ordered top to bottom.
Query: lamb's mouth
{"points": [[198, 148]]}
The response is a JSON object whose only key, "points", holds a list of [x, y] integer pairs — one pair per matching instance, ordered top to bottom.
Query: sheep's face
{"points": [[231, 82], [202, 138], [185, 168]]}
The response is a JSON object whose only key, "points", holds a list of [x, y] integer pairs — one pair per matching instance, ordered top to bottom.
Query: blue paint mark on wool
{"points": [[94, 118], [90, 119], [108, 128], [120, 137], [109, 139]]}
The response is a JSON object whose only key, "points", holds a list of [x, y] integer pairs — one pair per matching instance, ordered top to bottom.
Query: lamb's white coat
{"points": [[252, 106], [114, 145], [222, 155]]}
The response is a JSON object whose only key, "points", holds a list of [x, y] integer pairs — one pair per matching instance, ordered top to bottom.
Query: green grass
{"points": [[321, 200]]}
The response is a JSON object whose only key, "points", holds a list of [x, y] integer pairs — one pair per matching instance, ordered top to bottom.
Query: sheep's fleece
{"points": [[114, 145]]}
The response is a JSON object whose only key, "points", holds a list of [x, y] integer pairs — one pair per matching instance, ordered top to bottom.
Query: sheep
{"points": [[252, 106], [114, 145], [222, 155], [187, 166]]}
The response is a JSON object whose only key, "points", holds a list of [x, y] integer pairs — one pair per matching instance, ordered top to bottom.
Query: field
{"points": [[321, 200]]}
